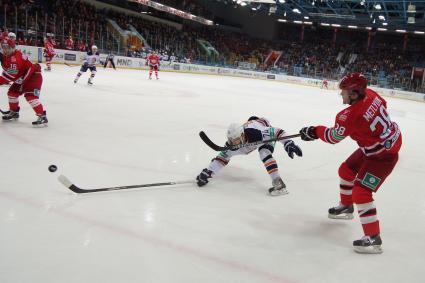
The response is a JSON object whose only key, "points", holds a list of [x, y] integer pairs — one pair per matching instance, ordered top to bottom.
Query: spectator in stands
{"points": [[69, 43]]}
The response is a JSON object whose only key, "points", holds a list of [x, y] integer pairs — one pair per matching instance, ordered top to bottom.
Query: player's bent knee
{"points": [[266, 149], [346, 173], [361, 195]]}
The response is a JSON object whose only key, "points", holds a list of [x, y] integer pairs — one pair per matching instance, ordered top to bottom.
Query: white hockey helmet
{"points": [[11, 35], [94, 47], [235, 133]]}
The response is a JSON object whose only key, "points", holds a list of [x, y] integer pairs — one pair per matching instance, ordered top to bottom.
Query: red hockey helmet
{"points": [[8, 42], [353, 81]]}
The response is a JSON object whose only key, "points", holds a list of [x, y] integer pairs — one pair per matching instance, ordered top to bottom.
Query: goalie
{"points": [[254, 130]]}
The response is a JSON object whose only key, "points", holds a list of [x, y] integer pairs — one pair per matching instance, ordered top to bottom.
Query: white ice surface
{"points": [[127, 130]]}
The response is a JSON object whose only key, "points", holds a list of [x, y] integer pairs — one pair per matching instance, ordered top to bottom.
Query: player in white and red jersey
{"points": [[49, 52], [153, 62], [26, 80], [367, 122], [254, 130]]}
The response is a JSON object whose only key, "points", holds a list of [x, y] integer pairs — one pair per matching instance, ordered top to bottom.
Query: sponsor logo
{"points": [[26, 52], [40, 55], [58, 56], [70, 57], [124, 62], [223, 71], [271, 77], [314, 82], [371, 181]]}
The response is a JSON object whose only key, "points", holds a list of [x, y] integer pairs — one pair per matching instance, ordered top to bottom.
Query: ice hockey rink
{"points": [[127, 130]]}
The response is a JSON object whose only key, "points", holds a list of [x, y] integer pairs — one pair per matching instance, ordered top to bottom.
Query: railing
{"points": [[33, 25]]}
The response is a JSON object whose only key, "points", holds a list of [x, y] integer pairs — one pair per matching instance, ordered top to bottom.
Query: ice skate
{"points": [[11, 115], [41, 120], [279, 188], [341, 212], [368, 245]]}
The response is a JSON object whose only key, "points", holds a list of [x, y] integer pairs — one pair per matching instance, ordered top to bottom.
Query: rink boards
{"points": [[76, 58]]}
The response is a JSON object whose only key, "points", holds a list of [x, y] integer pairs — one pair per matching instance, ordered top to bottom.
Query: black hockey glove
{"points": [[308, 133], [292, 148], [202, 179]]}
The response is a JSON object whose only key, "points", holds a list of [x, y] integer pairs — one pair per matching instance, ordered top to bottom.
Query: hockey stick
{"points": [[69, 65], [215, 147], [67, 183]]}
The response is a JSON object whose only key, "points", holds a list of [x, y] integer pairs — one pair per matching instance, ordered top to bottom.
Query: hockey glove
{"points": [[308, 133], [291, 148], [202, 179]]}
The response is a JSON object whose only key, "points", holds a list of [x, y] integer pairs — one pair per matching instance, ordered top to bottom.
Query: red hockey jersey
{"points": [[49, 46], [153, 60], [17, 68], [368, 123]]}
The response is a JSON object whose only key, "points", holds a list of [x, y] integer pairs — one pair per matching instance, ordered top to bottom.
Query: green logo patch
{"points": [[371, 181]]}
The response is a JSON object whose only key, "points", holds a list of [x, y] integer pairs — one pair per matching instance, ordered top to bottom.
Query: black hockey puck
{"points": [[53, 168]]}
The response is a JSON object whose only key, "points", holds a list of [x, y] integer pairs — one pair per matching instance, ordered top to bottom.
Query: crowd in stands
{"points": [[76, 25]]}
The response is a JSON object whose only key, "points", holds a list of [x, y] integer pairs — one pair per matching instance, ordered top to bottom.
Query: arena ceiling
{"points": [[390, 14]]}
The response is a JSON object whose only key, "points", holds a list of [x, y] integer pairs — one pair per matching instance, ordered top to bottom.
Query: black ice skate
{"points": [[76, 80], [89, 82], [11, 115], [41, 121], [279, 188], [341, 212], [368, 245]]}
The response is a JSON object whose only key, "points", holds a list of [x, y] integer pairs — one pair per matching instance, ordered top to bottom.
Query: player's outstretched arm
{"points": [[308, 133]]}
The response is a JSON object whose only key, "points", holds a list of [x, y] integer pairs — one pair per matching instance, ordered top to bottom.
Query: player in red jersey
{"points": [[49, 52], [153, 62], [26, 80], [367, 122]]}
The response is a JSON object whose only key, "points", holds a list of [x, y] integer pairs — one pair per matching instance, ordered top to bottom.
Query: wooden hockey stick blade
{"points": [[215, 147], [67, 183]]}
